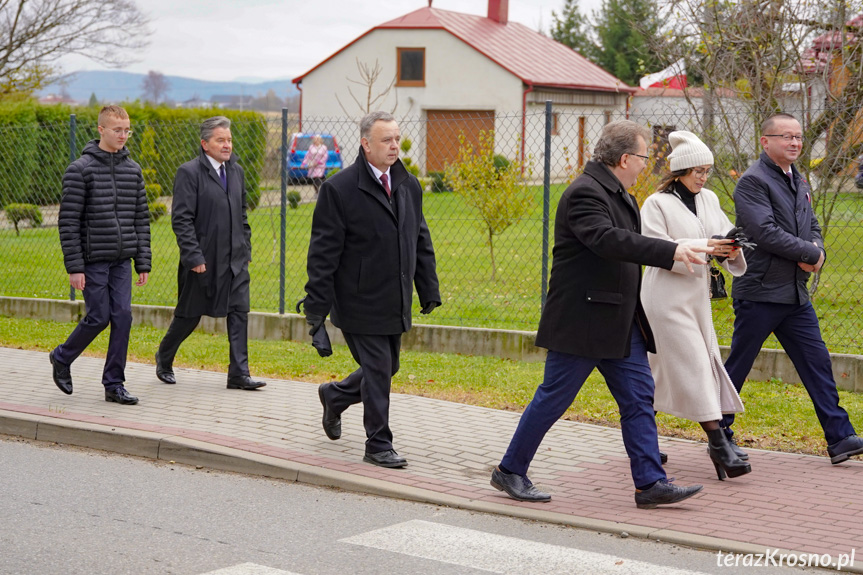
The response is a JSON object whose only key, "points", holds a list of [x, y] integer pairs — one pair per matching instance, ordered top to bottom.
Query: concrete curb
{"points": [[509, 344], [176, 449]]}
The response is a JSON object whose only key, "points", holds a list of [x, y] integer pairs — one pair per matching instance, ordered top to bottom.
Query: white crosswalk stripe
{"points": [[498, 553], [249, 569]]}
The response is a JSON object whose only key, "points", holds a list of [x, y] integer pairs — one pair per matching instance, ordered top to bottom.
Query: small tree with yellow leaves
{"points": [[652, 174], [497, 191]]}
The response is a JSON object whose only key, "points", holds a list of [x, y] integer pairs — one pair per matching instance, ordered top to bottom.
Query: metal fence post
{"points": [[73, 124], [546, 199], [283, 213]]}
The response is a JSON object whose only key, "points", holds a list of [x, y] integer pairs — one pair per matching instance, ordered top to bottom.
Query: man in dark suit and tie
{"points": [[209, 219], [369, 246], [593, 317]]}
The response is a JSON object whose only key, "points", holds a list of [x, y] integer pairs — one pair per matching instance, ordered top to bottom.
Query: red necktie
{"points": [[386, 183]]}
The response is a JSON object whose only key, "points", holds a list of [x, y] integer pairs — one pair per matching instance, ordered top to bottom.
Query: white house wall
{"points": [[457, 77], [677, 113], [564, 145]]}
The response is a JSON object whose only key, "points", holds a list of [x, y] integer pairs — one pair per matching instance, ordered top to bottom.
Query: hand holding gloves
{"points": [[318, 331]]}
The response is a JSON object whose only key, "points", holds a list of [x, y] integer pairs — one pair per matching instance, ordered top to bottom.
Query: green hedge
{"points": [[34, 145]]}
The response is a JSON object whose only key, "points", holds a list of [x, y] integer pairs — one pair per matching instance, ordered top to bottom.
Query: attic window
{"points": [[411, 66]]}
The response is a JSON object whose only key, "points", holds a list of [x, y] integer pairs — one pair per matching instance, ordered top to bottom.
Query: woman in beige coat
{"points": [[691, 381]]}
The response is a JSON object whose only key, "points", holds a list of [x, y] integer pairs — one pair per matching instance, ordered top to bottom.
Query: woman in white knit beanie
{"points": [[691, 381]]}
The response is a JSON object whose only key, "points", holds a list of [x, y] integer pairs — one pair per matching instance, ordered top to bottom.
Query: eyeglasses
{"points": [[118, 131], [786, 137], [645, 158], [702, 171]]}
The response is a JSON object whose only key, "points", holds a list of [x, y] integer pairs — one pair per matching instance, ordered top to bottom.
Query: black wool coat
{"points": [[103, 211], [211, 228], [367, 251], [593, 295]]}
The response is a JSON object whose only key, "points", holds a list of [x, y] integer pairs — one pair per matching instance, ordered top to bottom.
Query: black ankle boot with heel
{"points": [[723, 457]]}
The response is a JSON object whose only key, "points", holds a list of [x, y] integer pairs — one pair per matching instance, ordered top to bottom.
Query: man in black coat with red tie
{"points": [[208, 216], [369, 246], [593, 317]]}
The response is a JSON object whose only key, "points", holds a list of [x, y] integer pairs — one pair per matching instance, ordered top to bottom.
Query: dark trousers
{"points": [[108, 301], [796, 328], [238, 341], [378, 357], [630, 382]]}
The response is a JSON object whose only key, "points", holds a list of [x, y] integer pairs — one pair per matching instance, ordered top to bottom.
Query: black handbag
{"points": [[717, 282]]}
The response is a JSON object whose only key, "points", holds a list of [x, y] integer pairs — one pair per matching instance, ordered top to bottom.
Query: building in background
{"points": [[456, 74]]}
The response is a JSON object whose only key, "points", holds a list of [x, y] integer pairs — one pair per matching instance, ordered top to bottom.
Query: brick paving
{"points": [[792, 502]]}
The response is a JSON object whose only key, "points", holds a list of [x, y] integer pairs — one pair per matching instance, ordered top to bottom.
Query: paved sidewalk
{"points": [[790, 502]]}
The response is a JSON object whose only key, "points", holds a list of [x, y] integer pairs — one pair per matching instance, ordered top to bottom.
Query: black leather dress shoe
{"points": [[165, 374], [62, 375], [244, 382], [120, 395], [331, 422], [842, 450], [663, 457], [385, 459], [519, 487], [664, 492]]}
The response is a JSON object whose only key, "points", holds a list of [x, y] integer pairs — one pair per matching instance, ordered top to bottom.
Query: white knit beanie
{"points": [[687, 151]]}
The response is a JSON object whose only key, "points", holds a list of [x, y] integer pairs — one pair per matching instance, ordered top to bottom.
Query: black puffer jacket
{"points": [[103, 212]]}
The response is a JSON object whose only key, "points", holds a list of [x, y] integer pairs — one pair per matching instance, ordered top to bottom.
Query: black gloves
{"points": [[740, 239], [429, 306], [315, 322], [318, 331], [321, 341]]}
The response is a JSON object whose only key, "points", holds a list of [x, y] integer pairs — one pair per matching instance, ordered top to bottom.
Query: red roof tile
{"points": [[527, 54]]}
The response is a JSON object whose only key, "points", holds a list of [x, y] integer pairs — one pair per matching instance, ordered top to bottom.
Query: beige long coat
{"points": [[691, 381]]}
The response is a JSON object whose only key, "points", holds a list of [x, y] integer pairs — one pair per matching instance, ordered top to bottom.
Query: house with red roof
{"points": [[445, 74]]}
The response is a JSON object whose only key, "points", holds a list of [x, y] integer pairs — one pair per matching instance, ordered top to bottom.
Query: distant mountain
{"points": [[121, 86]]}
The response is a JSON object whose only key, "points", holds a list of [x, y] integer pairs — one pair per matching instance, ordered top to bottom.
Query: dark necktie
{"points": [[223, 176], [385, 181]]}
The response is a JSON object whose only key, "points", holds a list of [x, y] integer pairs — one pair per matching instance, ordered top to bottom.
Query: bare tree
{"points": [[34, 34], [758, 57], [155, 87], [368, 100]]}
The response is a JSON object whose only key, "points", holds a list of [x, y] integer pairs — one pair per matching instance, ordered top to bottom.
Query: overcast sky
{"points": [[274, 39]]}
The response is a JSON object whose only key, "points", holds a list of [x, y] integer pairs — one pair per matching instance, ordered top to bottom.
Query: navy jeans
{"points": [[108, 301], [796, 328], [630, 382]]}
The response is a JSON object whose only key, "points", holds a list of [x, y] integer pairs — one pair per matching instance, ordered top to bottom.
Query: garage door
{"points": [[444, 129]]}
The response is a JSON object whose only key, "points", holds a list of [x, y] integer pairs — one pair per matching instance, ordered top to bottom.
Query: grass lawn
{"points": [[32, 267], [779, 416]]}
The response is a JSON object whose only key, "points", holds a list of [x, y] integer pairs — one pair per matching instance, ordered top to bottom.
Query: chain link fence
{"points": [[512, 226]]}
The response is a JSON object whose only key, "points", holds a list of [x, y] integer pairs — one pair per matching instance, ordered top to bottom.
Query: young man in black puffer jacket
{"points": [[104, 223]]}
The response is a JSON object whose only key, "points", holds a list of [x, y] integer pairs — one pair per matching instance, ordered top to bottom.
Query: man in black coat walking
{"points": [[774, 207], [208, 215], [104, 222], [369, 246], [593, 317]]}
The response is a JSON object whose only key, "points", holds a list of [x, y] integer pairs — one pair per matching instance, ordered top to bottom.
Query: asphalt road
{"points": [[70, 511]]}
